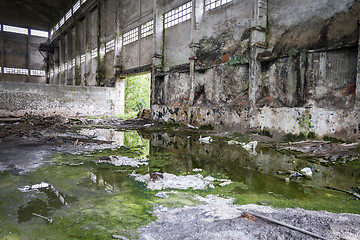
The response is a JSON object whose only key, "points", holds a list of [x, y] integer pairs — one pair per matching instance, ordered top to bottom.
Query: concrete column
{"points": [[196, 18], [159, 35], [118, 40], [100, 42], [257, 44], [87, 49], [28, 54], [2, 56], [57, 62], [77, 75], [357, 94], [120, 96]]}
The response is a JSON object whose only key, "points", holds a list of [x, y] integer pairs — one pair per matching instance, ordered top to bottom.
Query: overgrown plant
{"points": [[137, 93]]}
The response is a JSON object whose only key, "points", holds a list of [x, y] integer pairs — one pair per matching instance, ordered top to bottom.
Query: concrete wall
{"points": [[286, 66], [253, 67], [18, 99]]}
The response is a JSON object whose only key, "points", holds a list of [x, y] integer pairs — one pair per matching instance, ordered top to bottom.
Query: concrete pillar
{"points": [[196, 18], [159, 35], [118, 40], [101, 43], [257, 45], [158, 51], [28, 54], [2, 55], [56, 63], [77, 76], [357, 94], [120, 96]]}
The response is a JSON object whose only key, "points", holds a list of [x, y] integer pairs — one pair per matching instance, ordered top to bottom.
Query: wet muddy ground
{"points": [[111, 179]]}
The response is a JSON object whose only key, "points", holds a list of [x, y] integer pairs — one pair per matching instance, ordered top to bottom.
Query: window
{"points": [[83, 1], [211, 4], [76, 6], [68, 15], [178, 15], [62, 21], [56, 27], [147, 29], [20, 30], [39, 33], [131, 36], [110, 46], [94, 53], [82, 58], [73, 63], [56, 70], [21, 71], [40, 73]]}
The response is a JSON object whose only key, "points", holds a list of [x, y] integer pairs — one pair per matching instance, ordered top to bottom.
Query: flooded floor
{"points": [[134, 180]]}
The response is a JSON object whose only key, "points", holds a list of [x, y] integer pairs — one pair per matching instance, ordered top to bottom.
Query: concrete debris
{"points": [[144, 114], [190, 126], [206, 140], [250, 146], [327, 150], [122, 161], [197, 170], [306, 171], [171, 181], [162, 195], [219, 218], [119, 237]]}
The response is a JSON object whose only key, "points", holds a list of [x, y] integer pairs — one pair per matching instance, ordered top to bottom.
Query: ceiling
{"points": [[43, 13]]}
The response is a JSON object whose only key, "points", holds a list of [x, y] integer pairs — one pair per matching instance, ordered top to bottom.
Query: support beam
{"points": [[196, 18]]}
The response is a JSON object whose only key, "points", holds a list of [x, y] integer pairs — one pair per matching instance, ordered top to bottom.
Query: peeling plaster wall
{"points": [[266, 70], [18, 99]]}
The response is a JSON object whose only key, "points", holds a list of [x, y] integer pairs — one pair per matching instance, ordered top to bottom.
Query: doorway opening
{"points": [[137, 94]]}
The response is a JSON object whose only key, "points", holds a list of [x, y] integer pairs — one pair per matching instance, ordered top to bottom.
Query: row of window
{"points": [[67, 16], [172, 18], [25, 31], [23, 71]]}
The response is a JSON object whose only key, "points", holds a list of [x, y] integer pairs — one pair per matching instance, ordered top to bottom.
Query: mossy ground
{"points": [[106, 201]]}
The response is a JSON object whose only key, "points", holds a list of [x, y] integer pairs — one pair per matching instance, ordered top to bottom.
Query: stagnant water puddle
{"points": [[87, 196]]}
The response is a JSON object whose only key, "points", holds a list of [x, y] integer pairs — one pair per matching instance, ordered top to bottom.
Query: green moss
{"points": [[239, 60], [206, 127], [311, 135], [294, 137], [332, 139]]}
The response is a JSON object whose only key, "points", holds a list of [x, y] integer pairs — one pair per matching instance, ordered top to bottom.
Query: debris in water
{"points": [[190, 126], [206, 140], [250, 147], [123, 161], [306, 171], [176, 182], [162, 195], [45, 218], [119, 237]]}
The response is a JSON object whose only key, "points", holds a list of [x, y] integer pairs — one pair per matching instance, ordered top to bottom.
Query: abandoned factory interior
{"points": [[179, 119]]}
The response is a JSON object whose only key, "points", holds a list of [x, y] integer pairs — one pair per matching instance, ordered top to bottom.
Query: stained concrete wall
{"points": [[240, 66], [252, 67], [18, 99]]}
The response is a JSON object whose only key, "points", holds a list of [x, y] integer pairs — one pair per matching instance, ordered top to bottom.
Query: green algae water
{"points": [[74, 196]]}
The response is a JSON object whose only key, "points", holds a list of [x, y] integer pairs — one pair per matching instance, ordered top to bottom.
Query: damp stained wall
{"points": [[285, 66]]}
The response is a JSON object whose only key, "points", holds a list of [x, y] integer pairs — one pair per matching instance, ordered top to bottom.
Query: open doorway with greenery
{"points": [[137, 94]]}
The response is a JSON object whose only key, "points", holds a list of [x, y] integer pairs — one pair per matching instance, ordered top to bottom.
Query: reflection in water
{"points": [[105, 135], [258, 172], [107, 180], [45, 199]]}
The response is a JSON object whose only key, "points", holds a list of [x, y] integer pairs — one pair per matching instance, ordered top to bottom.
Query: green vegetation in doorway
{"points": [[137, 93]]}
